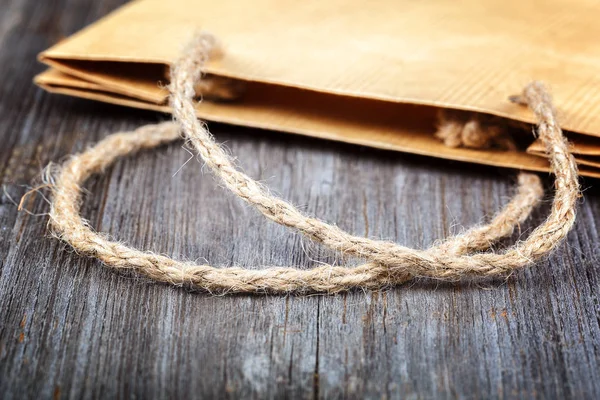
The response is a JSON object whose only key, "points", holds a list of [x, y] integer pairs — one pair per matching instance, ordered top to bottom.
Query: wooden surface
{"points": [[70, 328]]}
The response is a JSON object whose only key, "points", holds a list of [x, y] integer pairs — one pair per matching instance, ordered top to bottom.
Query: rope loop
{"points": [[387, 264]]}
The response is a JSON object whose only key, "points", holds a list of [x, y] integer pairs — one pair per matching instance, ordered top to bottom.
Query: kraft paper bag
{"points": [[372, 73]]}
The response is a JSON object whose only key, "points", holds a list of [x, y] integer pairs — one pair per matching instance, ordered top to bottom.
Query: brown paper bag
{"points": [[372, 73]]}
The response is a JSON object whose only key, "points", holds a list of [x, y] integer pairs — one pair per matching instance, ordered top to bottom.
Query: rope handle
{"points": [[388, 264]]}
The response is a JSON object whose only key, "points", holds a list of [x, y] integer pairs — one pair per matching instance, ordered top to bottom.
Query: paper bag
{"points": [[372, 73]]}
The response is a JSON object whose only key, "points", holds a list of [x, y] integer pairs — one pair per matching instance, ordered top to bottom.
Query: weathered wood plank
{"points": [[72, 328]]}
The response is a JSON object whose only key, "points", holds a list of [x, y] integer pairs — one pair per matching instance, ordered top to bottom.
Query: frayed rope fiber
{"points": [[388, 264]]}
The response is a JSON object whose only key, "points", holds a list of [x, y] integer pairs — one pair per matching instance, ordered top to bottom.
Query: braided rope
{"points": [[388, 263]]}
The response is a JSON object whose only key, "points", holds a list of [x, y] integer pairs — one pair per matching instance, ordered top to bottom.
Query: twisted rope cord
{"points": [[463, 129], [388, 263]]}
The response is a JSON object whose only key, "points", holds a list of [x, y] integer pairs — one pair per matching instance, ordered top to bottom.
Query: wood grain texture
{"points": [[70, 328]]}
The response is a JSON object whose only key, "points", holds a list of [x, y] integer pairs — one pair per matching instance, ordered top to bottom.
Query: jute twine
{"points": [[388, 264]]}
